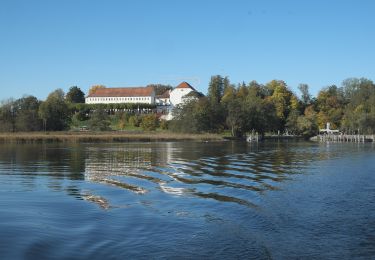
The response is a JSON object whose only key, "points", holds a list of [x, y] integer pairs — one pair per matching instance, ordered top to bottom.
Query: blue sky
{"points": [[45, 45]]}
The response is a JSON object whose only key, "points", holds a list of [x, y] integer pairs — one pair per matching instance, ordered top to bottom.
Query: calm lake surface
{"points": [[187, 200]]}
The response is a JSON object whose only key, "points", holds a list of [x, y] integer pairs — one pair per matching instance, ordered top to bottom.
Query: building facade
{"points": [[178, 94], [145, 95], [163, 99]]}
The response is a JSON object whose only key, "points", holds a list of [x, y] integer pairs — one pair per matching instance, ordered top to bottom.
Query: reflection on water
{"points": [[228, 172], [166, 200]]}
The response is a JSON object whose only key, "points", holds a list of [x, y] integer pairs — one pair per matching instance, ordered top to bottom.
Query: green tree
{"points": [[216, 89], [255, 89], [243, 91], [229, 94], [305, 94], [75, 95], [281, 98], [360, 98], [331, 104], [54, 111], [259, 115], [7, 116], [194, 116], [235, 117], [27, 118], [184, 118], [99, 121], [292, 122], [307, 124]]}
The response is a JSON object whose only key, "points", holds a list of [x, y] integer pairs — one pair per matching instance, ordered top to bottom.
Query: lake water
{"points": [[215, 200]]}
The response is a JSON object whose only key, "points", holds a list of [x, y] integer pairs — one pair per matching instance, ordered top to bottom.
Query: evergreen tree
{"points": [[216, 89], [75, 95]]}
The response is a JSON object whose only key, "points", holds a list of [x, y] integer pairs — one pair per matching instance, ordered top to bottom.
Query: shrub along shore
{"points": [[103, 137]]}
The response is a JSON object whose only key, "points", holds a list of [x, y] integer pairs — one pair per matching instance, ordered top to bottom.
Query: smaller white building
{"points": [[177, 94], [163, 99]]}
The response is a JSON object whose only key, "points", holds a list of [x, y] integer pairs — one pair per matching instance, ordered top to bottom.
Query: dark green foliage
{"points": [[216, 88], [305, 94], [75, 95], [240, 110], [55, 112], [359, 113], [20, 115], [7, 116], [199, 116], [235, 117], [27, 118], [99, 121], [292, 122]]}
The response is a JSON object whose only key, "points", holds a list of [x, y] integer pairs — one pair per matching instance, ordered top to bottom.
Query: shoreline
{"points": [[103, 137]]}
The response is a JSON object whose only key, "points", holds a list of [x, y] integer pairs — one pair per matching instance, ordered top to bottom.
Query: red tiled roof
{"points": [[185, 85], [123, 92], [164, 95]]}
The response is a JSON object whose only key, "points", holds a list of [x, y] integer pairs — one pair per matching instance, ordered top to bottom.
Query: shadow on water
{"points": [[221, 171]]}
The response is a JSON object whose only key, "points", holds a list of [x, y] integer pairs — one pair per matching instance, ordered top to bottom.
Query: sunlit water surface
{"points": [[187, 200]]}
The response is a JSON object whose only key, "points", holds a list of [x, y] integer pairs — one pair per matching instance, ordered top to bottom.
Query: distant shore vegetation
{"points": [[234, 109]]}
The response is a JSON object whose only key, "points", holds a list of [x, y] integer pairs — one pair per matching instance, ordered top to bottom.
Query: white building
{"points": [[182, 93], [177, 94], [145, 95], [163, 99], [165, 102]]}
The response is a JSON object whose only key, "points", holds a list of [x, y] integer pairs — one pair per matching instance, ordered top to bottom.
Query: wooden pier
{"points": [[344, 138]]}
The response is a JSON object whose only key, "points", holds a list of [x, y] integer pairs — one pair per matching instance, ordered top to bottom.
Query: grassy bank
{"points": [[103, 137]]}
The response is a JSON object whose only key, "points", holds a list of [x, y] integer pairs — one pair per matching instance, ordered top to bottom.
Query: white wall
{"points": [[177, 94], [116, 100], [162, 101]]}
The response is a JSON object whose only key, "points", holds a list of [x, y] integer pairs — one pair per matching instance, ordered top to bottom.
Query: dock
{"points": [[344, 138]]}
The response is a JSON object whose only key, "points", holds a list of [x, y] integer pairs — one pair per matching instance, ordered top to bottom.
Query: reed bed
{"points": [[103, 137]]}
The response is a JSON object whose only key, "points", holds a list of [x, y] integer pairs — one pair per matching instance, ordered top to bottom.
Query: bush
{"points": [[76, 120], [122, 120], [99, 121], [135, 121], [149, 122], [122, 124], [164, 124]]}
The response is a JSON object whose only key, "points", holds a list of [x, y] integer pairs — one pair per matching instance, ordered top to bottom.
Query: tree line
{"points": [[237, 108], [275, 108], [61, 111]]}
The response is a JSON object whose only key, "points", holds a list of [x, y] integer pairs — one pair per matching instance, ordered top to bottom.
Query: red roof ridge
{"points": [[184, 84], [123, 92]]}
